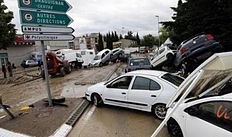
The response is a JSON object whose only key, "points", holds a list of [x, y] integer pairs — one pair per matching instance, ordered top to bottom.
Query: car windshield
{"points": [[97, 57], [137, 62], [173, 79]]}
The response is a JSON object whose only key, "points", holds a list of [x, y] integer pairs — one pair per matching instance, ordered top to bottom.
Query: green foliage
{"points": [[209, 16], [7, 31], [166, 32], [149, 41], [100, 43]]}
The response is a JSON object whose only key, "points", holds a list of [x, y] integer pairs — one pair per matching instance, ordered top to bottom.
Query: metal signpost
{"points": [[45, 20]]}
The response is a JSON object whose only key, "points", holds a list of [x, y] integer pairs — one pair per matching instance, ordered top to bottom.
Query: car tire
{"points": [[169, 57], [100, 64], [69, 69], [62, 71], [97, 100], [159, 111], [174, 128]]}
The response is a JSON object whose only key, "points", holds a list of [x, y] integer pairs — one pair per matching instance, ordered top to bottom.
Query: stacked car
{"points": [[189, 55]]}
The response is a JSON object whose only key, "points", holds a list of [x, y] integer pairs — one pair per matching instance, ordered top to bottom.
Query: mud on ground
{"points": [[40, 121]]}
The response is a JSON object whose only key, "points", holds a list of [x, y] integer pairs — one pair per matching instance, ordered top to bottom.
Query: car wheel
{"points": [[169, 57], [100, 64], [69, 69], [62, 71], [96, 99], [160, 111], [174, 129]]}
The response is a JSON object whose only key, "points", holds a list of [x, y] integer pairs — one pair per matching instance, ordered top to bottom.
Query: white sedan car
{"points": [[144, 90], [206, 117]]}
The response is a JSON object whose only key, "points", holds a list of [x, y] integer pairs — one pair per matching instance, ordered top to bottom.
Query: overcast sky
{"points": [[92, 16]]}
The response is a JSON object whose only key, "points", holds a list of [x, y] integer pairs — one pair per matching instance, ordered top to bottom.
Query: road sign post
{"points": [[47, 18], [46, 74]]}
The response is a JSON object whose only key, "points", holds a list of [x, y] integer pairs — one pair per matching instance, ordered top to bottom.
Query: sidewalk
{"points": [[43, 121]]}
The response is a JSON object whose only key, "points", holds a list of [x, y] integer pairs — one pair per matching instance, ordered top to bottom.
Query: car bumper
{"points": [[87, 96]]}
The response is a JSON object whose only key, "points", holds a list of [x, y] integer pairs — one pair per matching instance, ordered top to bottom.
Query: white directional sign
{"points": [[38, 29], [47, 37]]}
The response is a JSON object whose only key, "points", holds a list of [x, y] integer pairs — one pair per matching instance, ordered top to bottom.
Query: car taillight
{"points": [[210, 37], [182, 50]]}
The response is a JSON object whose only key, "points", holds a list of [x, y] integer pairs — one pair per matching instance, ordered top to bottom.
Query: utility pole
{"points": [[158, 29]]}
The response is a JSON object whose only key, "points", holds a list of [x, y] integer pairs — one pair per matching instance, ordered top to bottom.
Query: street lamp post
{"points": [[158, 29]]}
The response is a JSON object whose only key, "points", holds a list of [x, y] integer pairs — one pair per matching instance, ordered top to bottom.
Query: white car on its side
{"points": [[162, 56], [144, 90]]}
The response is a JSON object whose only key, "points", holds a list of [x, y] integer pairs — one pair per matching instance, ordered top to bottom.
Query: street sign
{"points": [[49, 5], [44, 18], [38, 29], [47, 37]]}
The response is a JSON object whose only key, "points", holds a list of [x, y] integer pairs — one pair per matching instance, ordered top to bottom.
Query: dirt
{"points": [[40, 121]]}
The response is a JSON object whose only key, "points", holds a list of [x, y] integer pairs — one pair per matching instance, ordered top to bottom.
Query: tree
{"points": [[208, 16], [7, 30], [129, 35], [120, 37], [137, 39], [149, 41], [100, 43]]}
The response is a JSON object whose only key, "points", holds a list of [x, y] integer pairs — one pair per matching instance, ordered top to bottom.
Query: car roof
{"points": [[101, 52], [155, 73]]}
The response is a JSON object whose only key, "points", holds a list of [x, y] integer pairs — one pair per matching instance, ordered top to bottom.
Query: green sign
{"points": [[49, 5], [44, 18]]}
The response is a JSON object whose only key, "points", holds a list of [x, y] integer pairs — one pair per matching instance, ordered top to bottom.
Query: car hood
{"points": [[95, 61], [208, 76], [99, 87]]}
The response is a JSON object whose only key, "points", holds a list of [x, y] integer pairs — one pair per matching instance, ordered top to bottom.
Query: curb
{"points": [[66, 128]]}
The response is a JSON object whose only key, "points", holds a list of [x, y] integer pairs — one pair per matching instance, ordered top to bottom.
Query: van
{"points": [[87, 56], [73, 57], [102, 58]]}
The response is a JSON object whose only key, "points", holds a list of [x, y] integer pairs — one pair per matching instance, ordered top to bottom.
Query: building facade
{"points": [[87, 41]]}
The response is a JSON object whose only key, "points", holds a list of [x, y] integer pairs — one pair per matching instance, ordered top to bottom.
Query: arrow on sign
{"points": [[49, 5], [44, 18], [38, 29], [47, 37]]}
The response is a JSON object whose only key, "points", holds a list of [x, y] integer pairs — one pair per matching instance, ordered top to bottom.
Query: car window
{"points": [[161, 50], [115, 51], [106, 52], [103, 55], [137, 62], [173, 79], [122, 83], [142, 83], [154, 85], [216, 113]]}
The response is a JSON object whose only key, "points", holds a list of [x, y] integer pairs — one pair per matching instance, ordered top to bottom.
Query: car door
{"points": [[116, 92], [143, 93], [209, 119]]}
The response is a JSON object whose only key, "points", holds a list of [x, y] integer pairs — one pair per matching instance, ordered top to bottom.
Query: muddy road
{"points": [[18, 95]]}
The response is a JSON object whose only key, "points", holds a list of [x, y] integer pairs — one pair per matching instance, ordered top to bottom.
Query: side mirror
{"points": [[193, 111]]}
